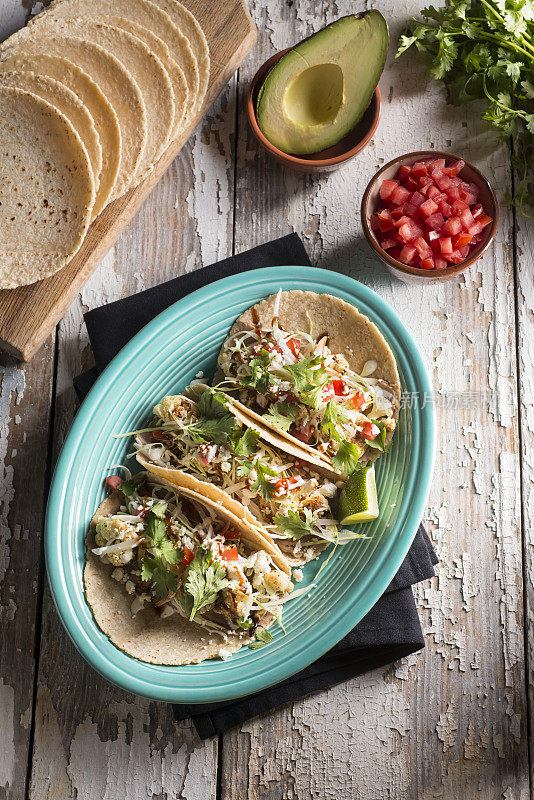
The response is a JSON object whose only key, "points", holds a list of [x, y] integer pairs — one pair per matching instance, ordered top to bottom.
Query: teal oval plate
{"points": [[163, 358]]}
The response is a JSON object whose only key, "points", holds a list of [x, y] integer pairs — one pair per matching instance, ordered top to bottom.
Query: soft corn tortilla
{"points": [[144, 13], [189, 25], [160, 49], [144, 67], [112, 78], [69, 104], [103, 115], [47, 189], [350, 333], [147, 636]]}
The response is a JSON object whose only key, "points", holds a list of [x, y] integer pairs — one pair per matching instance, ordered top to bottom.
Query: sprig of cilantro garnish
{"points": [[485, 51], [308, 377], [260, 378], [282, 415], [332, 417], [245, 444], [346, 458], [262, 484], [130, 487], [293, 524], [155, 565], [205, 579]]}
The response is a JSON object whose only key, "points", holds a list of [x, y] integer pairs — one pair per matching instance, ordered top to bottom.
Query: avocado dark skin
{"points": [[318, 91]]}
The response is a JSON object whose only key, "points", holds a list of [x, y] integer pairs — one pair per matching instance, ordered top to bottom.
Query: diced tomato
{"points": [[455, 168], [419, 169], [387, 188], [433, 193], [453, 193], [399, 195], [417, 198], [458, 206], [428, 208], [444, 208], [467, 219], [484, 220], [435, 222], [452, 226], [461, 239], [445, 244], [422, 247], [407, 254], [427, 263], [294, 344], [357, 400], [370, 431], [304, 433], [113, 482], [230, 535], [230, 554], [187, 556]]}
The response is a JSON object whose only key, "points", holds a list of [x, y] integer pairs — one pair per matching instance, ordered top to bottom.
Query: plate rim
{"points": [[330, 280]]}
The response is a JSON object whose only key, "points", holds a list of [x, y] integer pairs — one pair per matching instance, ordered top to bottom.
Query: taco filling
{"points": [[301, 388], [203, 438], [172, 550]]}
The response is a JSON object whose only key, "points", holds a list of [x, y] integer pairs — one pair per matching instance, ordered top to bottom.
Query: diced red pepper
{"points": [[294, 344], [340, 387], [357, 400], [370, 431], [113, 482], [230, 554]]}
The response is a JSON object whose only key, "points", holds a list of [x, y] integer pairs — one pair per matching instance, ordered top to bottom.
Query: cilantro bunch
{"points": [[485, 51]]}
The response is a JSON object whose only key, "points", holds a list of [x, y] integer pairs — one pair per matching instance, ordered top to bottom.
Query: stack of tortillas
{"points": [[92, 93]]}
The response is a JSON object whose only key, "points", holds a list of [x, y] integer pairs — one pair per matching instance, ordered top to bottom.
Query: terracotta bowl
{"points": [[325, 160], [371, 201]]}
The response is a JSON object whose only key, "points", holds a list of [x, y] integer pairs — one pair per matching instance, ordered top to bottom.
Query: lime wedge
{"points": [[358, 501]]}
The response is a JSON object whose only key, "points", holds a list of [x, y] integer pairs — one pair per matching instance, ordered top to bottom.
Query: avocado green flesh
{"points": [[320, 89]]}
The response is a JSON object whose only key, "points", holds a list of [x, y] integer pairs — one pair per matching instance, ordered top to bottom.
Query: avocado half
{"points": [[320, 89]]}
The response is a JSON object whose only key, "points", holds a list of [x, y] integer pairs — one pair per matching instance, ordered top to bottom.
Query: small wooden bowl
{"points": [[325, 160], [371, 202]]}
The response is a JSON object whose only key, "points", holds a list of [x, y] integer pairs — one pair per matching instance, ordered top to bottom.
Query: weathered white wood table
{"points": [[451, 722]]}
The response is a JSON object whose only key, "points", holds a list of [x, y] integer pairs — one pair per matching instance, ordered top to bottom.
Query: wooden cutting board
{"points": [[29, 314]]}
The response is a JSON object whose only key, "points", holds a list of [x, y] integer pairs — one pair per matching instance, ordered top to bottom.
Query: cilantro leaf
{"points": [[307, 374], [260, 377], [212, 405], [282, 415], [332, 417], [216, 430], [379, 442], [246, 444], [346, 458], [244, 469], [262, 484], [130, 487], [296, 527], [205, 579], [163, 581], [246, 624]]}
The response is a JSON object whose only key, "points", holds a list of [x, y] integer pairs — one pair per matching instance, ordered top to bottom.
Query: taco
{"points": [[318, 373], [199, 440], [173, 578]]}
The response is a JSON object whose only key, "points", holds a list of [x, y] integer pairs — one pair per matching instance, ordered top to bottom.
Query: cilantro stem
{"points": [[489, 6]]}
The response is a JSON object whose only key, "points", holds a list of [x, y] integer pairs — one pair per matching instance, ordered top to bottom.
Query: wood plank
{"points": [[28, 314], [525, 337], [24, 425], [450, 722], [94, 741]]}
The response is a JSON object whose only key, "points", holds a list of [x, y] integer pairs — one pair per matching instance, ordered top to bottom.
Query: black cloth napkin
{"points": [[391, 630]]}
